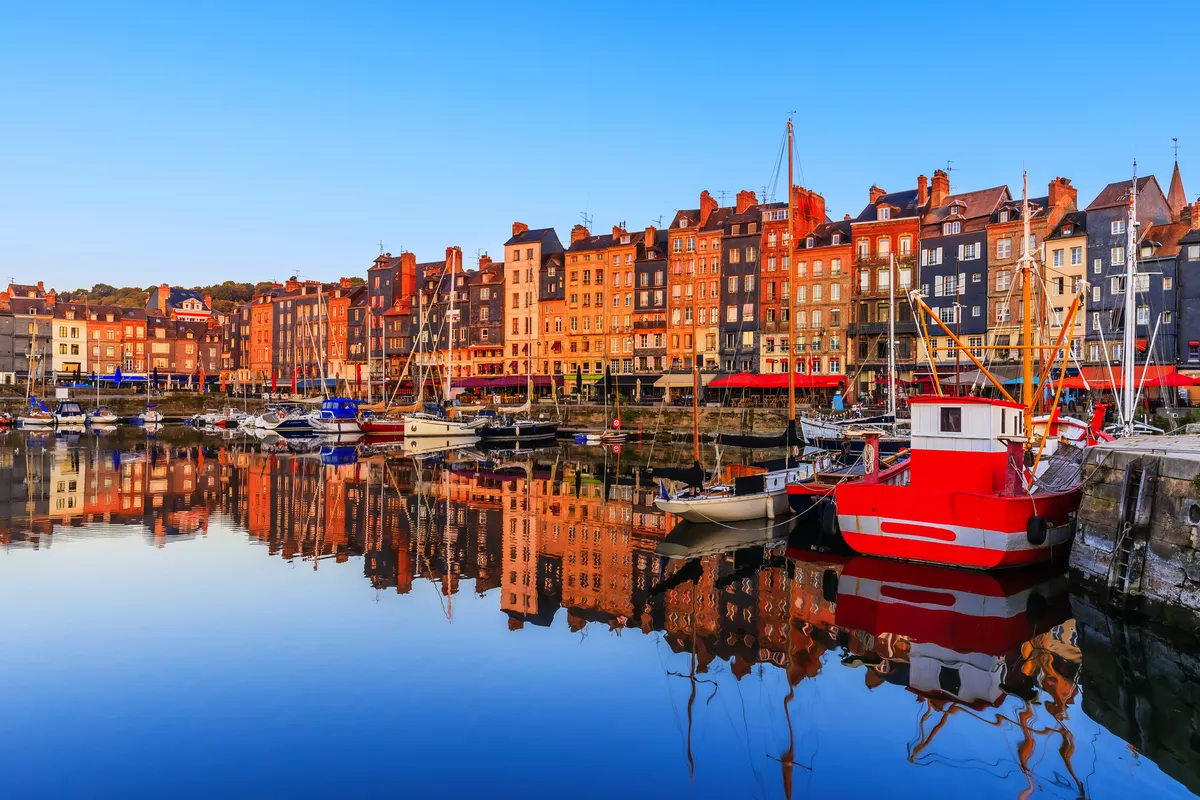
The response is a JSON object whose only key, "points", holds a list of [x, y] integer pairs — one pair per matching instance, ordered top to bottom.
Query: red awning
{"points": [[1097, 378], [777, 380]]}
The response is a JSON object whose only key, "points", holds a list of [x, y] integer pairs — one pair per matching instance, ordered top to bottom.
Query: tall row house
{"points": [[886, 229], [1107, 233], [741, 239], [1005, 248], [624, 251], [525, 253], [953, 268], [1188, 271], [1066, 273], [694, 277], [824, 303], [650, 304], [486, 319]]}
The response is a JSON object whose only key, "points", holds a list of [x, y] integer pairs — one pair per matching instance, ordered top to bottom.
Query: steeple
{"points": [[1176, 199]]}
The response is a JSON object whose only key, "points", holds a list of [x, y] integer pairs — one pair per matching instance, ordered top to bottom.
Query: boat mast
{"points": [[791, 253], [450, 322], [1128, 386], [695, 387], [1029, 397], [891, 404]]}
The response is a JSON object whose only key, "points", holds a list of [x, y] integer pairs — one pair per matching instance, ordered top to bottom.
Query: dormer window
{"points": [[885, 213], [1004, 216], [683, 223], [950, 228], [736, 229], [1067, 230], [837, 239], [624, 240], [808, 242], [1147, 250]]}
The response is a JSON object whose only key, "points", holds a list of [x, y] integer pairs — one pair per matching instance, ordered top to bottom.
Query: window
{"points": [[885, 213], [1004, 216], [1118, 226], [951, 228], [837, 239], [906, 245], [885, 246], [864, 248], [1004, 248], [1193, 252], [751, 253], [735, 255], [1076, 256], [1117, 256], [1058, 258], [1097, 265], [883, 279], [864, 280], [1003, 281], [748, 283], [1167, 283], [732, 284], [1116, 284], [817, 292], [835, 292], [975, 311], [731, 313], [1143, 315], [1166, 317], [1193, 351], [951, 420]]}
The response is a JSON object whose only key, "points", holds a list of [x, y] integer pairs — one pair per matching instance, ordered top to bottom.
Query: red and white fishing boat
{"points": [[965, 497]]}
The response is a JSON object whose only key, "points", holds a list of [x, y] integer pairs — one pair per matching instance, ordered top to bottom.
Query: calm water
{"points": [[195, 617]]}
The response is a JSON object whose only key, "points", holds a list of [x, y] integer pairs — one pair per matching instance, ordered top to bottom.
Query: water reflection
{"points": [[570, 540]]}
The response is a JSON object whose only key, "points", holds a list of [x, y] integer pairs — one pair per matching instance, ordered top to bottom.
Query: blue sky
{"points": [[199, 142]]}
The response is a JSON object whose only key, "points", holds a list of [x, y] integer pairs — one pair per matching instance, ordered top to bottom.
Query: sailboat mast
{"points": [[791, 252], [450, 322], [892, 336], [1128, 353], [695, 390], [1030, 397]]}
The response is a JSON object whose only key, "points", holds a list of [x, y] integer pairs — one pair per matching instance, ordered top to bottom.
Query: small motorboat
{"points": [[68, 412], [36, 415], [102, 415], [336, 415], [7, 420], [757, 494]]}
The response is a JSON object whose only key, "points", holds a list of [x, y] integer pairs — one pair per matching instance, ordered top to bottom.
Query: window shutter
{"points": [[961, 251], [939, 255], [924, 257], [962, 283]]}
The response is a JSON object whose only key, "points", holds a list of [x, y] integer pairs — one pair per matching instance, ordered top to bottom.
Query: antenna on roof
{"points": [[1175, 147], [949, 170], [722, 193], [587, 219], [658, 221], [381, 247], [479, 254]]}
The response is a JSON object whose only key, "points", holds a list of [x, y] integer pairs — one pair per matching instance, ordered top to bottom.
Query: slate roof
{"points": [[1117, 194], [905, 202], [975, 205], [1038, 206], [692, 215], [716, 220], [1076, 220], [532, 235], [822, 235], [1167, 238], [601, 242], [26, 290], [21, 305]]}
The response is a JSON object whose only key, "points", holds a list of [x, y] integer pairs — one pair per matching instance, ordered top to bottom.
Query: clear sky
{"points": [[200, 142]]}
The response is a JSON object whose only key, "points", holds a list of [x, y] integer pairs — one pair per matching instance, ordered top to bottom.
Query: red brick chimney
{"points": [[939, 188], [922, 190], [875, 193], [1063, 195], [745, 200], [707, 206], [810, 210], [1194, 216], [845, 217], [519, 228], [618, 231], [578, 233], [651, 235], [454, 259], [485, 261], [408, 276], [344, 283], [291, 284], [41, 288], [164, 292], [51, 298], [208, 301]]}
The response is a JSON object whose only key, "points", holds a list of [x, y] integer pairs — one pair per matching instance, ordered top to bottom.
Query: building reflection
{"points": [[563, 541]]}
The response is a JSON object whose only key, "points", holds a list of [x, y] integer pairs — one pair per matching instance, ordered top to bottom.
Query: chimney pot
{"points": [[939, 188], [922, 190], [875, 193], [745, 200], [707, 206], [519, 228], [579, 233], [41, 287]]}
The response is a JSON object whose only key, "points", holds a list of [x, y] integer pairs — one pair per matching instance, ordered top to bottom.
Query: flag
{"points": [[117, 376], [156, 377], [358, 377], [202, 378], [274, 380], [293, 381], [662, 491]]}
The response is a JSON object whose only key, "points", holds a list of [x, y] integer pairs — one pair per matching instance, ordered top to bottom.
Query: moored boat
{"points": [[68, 412], [35, 415], [102, 415], [336, 415], [151, 416], [379, 424], [424, 424], [517, 430], [762, 494], [806, 495], [964, 498]]}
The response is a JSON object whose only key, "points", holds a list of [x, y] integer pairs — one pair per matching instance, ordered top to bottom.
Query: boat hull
{"points": [[70, 419], [103, 419], [35, 422], [334, 426], [383, 426], [419, 427], [516, 433], [767, 504], [958, 529]]}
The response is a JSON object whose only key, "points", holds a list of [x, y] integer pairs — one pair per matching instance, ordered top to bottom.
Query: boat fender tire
{"points": [[829, 520], [1037, 530]]}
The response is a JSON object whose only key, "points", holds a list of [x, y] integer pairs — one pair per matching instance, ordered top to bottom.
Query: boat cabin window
{"points": [[951, 420]]}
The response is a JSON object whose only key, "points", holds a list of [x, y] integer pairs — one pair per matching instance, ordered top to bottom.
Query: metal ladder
{"points": [[1128, 564]]}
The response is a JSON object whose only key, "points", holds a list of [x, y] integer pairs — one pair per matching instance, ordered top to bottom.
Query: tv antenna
{"points": [[949, 169], [721, 193], [587, 220], [658, 221], [381, 247], [479, 254]]}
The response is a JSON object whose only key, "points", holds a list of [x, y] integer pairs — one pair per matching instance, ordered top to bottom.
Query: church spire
{"points": [[1176, 198]]}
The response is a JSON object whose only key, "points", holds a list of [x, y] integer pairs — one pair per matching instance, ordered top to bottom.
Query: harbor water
{"points": [[193, 616]]}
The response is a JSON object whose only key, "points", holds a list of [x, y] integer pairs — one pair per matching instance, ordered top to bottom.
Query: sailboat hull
{"points": [[418, 427], [519, 431], [716, 506]]}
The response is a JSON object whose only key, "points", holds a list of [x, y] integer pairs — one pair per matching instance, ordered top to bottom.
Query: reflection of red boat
{"points": [[385, 425], [381, 438], [965, 497], [968, 612]]}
